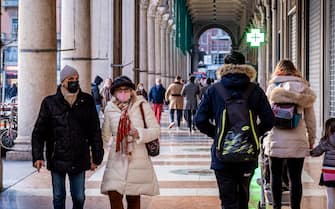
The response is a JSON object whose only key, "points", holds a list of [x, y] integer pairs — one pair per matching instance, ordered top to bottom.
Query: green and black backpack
{"points": [[237, 137]]}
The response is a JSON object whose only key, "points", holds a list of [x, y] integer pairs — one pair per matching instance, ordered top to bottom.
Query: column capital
{"points": [[144, 4], [152, 8], [159, 14], [164, 22]]}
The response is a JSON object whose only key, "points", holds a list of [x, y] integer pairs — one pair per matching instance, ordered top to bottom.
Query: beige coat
{"points": [[173, 95], [292, 143], [134, 175]]}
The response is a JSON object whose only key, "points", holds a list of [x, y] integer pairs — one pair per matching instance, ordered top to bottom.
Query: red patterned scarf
{"points": [[123, 129]]}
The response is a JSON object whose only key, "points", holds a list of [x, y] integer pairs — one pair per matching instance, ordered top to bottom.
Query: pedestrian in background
{"points": [[203, 89], [141, 91], [190, 91], [96, 92], [105, 93], [156, 97], [175, 100], [68, 126], [327, 146], [129, 171]]}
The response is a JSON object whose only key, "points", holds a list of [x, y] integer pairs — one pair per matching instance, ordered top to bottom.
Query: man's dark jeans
{"points": [[179, 115], [77, 188], [234, 188]]}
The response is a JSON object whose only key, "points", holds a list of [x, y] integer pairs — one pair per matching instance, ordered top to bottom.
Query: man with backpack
{"points": [[235, 103]]}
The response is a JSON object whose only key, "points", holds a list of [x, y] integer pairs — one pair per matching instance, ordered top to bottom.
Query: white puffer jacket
{"points": [[292, 143], [134, 175]]}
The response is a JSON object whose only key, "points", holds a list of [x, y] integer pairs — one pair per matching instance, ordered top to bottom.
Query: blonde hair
{"points": [[286, 67]]}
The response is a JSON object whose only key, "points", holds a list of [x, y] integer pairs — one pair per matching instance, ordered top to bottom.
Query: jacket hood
{"points": [[236, 69], [291, 89]]}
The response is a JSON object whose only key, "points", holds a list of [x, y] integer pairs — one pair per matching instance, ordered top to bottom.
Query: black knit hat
{"points": [[234, 58], [98, 80], [121, 81]]}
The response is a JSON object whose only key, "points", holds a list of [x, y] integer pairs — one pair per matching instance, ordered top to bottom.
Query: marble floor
{"points": [[185, 180]]}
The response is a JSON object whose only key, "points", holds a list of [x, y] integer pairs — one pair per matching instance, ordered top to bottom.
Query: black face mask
{"points": [[73, 86]]}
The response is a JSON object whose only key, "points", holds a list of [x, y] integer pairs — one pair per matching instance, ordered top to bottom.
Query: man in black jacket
{"points": [[69, 126]]}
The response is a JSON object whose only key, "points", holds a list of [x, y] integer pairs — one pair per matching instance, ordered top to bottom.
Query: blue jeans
{"points": [[98, 107], [179, 114], [77, 188]]}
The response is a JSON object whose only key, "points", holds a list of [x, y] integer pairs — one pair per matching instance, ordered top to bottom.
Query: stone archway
{"points": [[204, 28], [197, 34]]}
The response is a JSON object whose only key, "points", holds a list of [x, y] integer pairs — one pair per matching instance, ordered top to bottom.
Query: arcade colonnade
{"points": [[100, 37]]}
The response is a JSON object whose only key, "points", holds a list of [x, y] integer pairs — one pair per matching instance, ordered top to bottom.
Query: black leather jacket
{"points": [[72, 134]]}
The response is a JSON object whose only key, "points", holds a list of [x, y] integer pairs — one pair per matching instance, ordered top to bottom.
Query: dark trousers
{"points": [[190, 114], [179, 115], [294, 168], [234, 188], [115, 198]]}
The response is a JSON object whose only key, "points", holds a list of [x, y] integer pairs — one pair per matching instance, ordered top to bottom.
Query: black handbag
{"points": [[153, 146]]}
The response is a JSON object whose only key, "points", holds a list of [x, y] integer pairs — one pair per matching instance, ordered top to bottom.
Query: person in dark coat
{"points": [[203, 89], [13, 91], [190, 91], [96, 92], [156, 97], [68, 125], [233, 179]]}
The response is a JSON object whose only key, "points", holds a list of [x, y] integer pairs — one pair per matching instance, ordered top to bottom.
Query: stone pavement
{"points": [[185, 180]]}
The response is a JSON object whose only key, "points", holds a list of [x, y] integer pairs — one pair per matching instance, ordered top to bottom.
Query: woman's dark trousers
{"points": [[294, 168]]}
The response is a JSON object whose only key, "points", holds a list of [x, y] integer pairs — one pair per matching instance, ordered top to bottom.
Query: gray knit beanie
{"points": [[67, 71]]}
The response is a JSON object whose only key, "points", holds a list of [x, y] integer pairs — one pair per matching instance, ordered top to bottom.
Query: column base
{"points": [[21, 149]]}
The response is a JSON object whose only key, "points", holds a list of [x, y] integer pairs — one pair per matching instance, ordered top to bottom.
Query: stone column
{"points": [[76, 34], [144, 43], [151, 45], [275, 46], [163, 48], [262, 50], [173, 51], [158, 57], [178, 62], [269, 62], [37, 64], [168, 68]]}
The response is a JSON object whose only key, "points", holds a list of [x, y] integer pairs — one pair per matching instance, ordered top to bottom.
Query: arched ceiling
{"points": [[226, 12]]}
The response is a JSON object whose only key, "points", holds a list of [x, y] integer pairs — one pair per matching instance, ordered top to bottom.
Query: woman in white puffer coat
{"points": [[292, 145], [129, 170]]}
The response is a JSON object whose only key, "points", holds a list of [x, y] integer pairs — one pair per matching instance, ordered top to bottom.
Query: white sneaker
{"points": [[171, 124]]}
